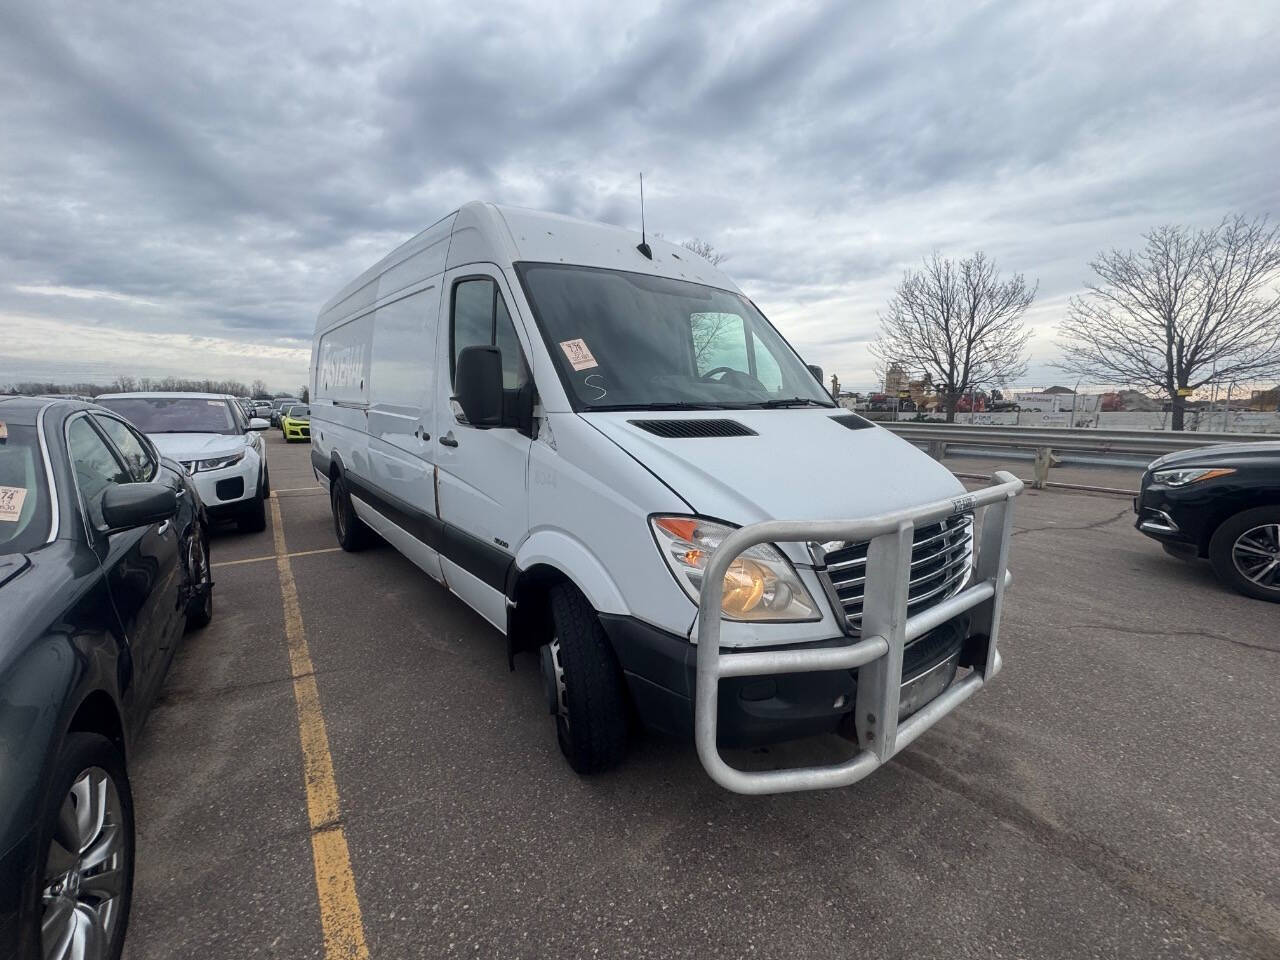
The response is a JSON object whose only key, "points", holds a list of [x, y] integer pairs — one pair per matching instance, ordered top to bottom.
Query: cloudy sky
{"points": [[180, 191]]}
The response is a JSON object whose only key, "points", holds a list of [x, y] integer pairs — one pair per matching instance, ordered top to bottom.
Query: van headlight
{"points": [[217, 463], [760, 584]]}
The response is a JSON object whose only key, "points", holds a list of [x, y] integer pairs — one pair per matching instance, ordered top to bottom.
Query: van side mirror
{"points": [[816, 371], [477, 385], [128, 505]]}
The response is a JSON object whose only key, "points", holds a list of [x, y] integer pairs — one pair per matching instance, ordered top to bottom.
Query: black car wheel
{"points": [[254, 518], [350, 530], [1245, 553], [200, 572], [585, 689], [85, 882]]}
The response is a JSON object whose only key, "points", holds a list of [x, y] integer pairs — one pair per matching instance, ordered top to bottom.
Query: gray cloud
{"points": [[222, 171]]}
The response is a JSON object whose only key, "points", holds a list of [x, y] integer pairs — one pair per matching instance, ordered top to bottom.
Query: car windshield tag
{"points": [[579, 355], [11, 500]]}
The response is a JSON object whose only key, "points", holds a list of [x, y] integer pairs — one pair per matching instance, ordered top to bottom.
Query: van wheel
{"points": [[350, 530], [1245, 553], [585, 689], [85, 878]]}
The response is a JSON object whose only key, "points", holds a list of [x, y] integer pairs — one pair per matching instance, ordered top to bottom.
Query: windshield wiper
{"points": [[790, 402]]}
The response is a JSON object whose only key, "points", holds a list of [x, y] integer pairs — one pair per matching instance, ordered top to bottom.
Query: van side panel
{"points": [[340, 394], [401, 410]]}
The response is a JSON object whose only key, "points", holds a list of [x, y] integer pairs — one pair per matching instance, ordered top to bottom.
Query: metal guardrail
{"points": [[938, 436], [886, 629]]}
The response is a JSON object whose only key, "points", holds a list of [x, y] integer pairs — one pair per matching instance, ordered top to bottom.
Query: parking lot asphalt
{"points": [[1114, 793]]}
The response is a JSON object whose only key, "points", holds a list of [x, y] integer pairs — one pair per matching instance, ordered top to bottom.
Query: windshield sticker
{"points": [[580, 357], [214, 403], [4, 430], [11, 499]]}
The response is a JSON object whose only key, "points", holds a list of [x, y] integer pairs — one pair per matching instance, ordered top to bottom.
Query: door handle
{"points": [[448, 440], [163, 527]]}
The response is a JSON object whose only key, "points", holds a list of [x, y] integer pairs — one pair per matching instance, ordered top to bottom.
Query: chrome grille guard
{"points": [[886, 629]]}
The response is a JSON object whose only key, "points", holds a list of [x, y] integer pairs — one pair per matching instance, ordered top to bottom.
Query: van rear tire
{"points": [[350, 530], [585, 685]]}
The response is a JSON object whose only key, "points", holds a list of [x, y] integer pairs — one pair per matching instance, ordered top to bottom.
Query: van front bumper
{"points": [[661, 673]]}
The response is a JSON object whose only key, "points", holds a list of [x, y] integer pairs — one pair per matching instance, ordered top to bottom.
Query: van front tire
{"points": [[350, 530], [585, 685]]}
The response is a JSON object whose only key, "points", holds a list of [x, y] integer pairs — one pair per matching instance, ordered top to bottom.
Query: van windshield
{"points": [[624, 340]]}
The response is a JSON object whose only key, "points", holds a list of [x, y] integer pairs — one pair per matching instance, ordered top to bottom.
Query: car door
{"points": [[482, 478], [164, 540], [140, 564]]}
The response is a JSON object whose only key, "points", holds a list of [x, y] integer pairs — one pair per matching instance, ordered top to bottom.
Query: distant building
{"points": [[895, 380], [1264, 400]]}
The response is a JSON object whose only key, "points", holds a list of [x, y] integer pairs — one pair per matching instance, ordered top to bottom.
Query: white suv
{"points": [[209, 435]]}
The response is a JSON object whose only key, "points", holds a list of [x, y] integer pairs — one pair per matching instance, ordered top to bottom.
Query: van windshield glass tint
{"points": [[627, 340], [174, 414]]}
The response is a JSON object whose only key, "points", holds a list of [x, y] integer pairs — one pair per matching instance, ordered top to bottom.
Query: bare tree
{"points": [[705, 250], [1193, 307], [959, 324]]}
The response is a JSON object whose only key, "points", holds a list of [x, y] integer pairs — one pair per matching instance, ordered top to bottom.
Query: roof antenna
{"points": [[643, 245]]}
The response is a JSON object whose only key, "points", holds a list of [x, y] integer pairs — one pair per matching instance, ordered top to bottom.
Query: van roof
{"points": [[487, 233]]}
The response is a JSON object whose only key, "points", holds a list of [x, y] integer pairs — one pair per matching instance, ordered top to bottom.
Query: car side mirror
{"points": [[816, 371], [477, 385], [257, 423], [129, 505]]}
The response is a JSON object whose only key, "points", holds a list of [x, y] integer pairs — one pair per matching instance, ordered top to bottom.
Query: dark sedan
{"points": [[1223, 503], [104, 562]]}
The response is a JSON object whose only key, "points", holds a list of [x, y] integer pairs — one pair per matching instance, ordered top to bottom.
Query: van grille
{"points": [[682, 429], [940, 561]]}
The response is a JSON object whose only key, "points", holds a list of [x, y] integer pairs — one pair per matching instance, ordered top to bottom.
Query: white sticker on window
{"points": [[580, 357], [214, 403], [11, 499]]}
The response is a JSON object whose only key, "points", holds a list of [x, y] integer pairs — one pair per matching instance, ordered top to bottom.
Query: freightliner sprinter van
{"points": [[604, 448]]}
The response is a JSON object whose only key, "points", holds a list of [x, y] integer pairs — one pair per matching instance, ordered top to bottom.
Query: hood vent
{"points": [[853, 421], [688, 429]]}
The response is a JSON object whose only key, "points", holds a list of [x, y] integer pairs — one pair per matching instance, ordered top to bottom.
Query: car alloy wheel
{"points": [[1256, 555], [85, 871]]}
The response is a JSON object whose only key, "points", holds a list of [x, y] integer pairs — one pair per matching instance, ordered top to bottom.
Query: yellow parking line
{"points": [[272, 556], [335, 883]]}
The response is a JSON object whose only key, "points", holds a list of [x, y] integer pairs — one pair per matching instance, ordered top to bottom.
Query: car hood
{"points": [[196, 446], [1234, 454], [801, 465]]}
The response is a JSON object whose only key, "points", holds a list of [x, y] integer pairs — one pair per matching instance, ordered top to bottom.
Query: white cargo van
{"points": [[574, 430]]}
